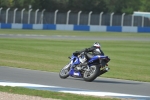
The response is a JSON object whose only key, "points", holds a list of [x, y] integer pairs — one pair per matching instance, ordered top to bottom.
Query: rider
{"points": [[95, 49]]}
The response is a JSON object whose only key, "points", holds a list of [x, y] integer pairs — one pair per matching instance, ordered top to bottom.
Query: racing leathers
{"points": [[94, 50]]}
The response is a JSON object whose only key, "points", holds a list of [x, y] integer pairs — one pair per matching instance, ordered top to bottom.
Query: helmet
{"points": [[96, 44]]}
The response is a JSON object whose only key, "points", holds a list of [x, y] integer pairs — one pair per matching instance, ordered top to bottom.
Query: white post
{"points": [[0, 10], [29, 12], [7, 15], [15, 15], [22, 15], [36, 15], [42, 16], [55, 16], [79, 17], [111, 17], [100, 18], [89, 19], [122, 19], [67, 20], [132, 20], [143, 21]]}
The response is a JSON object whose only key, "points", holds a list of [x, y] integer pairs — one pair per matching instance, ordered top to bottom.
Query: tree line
{"points": [[96, 6]]}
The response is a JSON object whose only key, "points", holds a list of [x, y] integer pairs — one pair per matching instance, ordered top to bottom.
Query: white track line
{"points": [[71, 90]]}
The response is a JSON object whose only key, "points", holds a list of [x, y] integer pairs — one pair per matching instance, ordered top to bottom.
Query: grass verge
{"points": [[129, 59], [49, 94]]}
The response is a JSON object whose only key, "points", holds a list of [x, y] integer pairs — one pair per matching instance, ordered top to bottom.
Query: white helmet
{"points": [[96, 44]]}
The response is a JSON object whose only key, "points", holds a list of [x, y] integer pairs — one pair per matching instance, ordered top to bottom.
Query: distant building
{"points": [[144, 14]]}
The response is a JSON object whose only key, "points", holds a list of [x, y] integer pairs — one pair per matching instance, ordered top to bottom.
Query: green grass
{"points": [[129, 59], [49, 94]]}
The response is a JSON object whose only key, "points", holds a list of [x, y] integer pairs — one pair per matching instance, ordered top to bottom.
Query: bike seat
{"points": [[89, 56]]}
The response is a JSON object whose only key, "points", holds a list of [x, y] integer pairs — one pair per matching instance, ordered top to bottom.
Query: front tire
{"points": [[64, 73], [89, 76]]}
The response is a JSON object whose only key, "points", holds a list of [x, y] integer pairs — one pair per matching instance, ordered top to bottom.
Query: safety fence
{"points": [[80, 18], [40, 19], [93, 28]]}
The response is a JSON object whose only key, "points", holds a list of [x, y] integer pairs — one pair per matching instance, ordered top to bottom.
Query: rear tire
{"points": [[64, 73], [89, 76]]}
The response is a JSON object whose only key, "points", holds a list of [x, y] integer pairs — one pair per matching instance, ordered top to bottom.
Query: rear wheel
{"points": [[64, 73], [91, 74]]}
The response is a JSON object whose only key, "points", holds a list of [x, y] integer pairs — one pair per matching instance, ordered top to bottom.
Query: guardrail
{"points": [[38, 16], [14, 19], [94, 28]]}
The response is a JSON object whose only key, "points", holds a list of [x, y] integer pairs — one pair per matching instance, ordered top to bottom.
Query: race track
{"points": [[73, 37], [18, 75], [51, 81]]}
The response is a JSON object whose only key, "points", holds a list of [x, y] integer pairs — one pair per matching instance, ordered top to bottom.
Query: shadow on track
{"points": [[106, 81], [114, 82]]}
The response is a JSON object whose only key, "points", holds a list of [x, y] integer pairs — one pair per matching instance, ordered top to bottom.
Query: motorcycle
{"points": [[85, 66]]}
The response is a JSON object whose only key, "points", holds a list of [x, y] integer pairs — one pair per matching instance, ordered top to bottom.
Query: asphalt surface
{"points": [[73, 37], [52, 79]]}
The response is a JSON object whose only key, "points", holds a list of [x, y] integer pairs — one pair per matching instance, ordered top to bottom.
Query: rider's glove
{"points": [[86, 50], [76, 53]]}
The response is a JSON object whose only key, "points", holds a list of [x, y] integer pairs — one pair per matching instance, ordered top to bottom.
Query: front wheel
{"points": [[64, 73], [91, 74]]}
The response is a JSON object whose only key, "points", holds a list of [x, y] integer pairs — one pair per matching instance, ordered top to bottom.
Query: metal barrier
{"points": [[42, 17], [93, 28]]}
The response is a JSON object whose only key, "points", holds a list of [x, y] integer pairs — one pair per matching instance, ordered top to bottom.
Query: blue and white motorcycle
{"points": [[85, 66]]}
